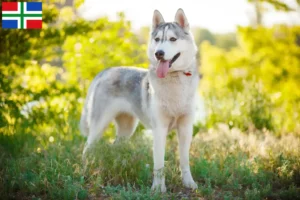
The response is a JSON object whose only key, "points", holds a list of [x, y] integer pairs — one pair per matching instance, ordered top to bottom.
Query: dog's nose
{"points": [[159, 54]]}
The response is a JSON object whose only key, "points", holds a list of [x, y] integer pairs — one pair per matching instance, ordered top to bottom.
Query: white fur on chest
{"points": [[175, 94]]}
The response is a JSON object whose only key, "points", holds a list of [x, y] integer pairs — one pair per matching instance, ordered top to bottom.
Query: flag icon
{"points": [[22, 15]]}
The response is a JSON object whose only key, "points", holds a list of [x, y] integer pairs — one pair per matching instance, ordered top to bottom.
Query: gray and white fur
{"points": [[160, 101]]}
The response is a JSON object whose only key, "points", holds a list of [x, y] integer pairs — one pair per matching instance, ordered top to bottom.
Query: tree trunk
{"points": [[258, 13]]}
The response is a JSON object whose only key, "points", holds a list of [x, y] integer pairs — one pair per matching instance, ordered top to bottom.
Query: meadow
{"points": [[247, 146], [226, 164]]}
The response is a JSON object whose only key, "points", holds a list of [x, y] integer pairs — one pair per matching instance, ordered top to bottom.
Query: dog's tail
{"points": [[85, 114]]}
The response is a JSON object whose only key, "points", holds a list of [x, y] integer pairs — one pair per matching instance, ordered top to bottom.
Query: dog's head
{"points": [[171, 45]]}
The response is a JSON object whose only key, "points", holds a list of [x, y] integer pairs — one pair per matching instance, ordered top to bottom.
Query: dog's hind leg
{"points": [[98, 123], [125, 125]]}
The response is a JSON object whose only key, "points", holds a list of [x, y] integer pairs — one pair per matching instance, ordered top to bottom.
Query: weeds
{"points": [[226, 163]]}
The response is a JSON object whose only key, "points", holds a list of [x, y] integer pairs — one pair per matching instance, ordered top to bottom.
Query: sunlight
{"points": [[215, 15], [55, 105], [51, 139]]}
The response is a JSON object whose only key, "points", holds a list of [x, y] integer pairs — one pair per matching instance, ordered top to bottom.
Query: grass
{"points": [[226, 164]]}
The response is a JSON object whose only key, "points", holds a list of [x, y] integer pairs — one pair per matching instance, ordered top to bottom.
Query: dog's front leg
{"points": [[185, 134], [159, 143]]}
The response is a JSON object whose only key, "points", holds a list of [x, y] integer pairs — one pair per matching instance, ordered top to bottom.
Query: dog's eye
{"points": [[157, 39], [173, 39]]}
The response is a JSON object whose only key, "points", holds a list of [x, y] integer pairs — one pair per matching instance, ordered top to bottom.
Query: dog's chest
{"points": [[174, 94]]}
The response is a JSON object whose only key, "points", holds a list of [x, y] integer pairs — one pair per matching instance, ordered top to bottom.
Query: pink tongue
{"points": [[162, 69]]}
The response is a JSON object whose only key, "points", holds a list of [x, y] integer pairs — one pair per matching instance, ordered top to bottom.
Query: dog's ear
{"points": [[157, 19], [181, 19]]}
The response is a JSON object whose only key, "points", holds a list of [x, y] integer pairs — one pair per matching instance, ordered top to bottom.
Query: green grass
{"points": [[226, 164]]}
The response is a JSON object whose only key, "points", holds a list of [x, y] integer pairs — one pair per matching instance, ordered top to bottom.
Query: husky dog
{"points": [[161, 98]]}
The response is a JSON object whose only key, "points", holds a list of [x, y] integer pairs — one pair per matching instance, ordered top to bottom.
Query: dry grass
{"points": [[227, 164]]}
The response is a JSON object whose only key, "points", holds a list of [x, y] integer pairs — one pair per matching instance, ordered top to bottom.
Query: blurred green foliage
{"points": [[224, 41], [44, 74], [251, 78], [250, 82], [255, 84]]}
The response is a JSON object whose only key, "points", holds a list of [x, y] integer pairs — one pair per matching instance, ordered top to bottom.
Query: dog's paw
{"points": [[159, 181], [188, 181], [190, 184], [159, 187]]}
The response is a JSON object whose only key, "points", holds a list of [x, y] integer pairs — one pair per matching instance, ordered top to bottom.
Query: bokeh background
{"points": [[248, 116]]}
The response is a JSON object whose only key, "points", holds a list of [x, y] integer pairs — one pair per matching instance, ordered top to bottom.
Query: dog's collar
{"points": [[187, 73]]}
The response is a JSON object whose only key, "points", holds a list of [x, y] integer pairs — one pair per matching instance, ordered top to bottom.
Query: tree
{"points": [[260, 9], [202, 34], [226, 40], [45, 73], [256, 82]]}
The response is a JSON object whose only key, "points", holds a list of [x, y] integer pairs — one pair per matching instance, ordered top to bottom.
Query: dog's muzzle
{"points": [[164, 65]]}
